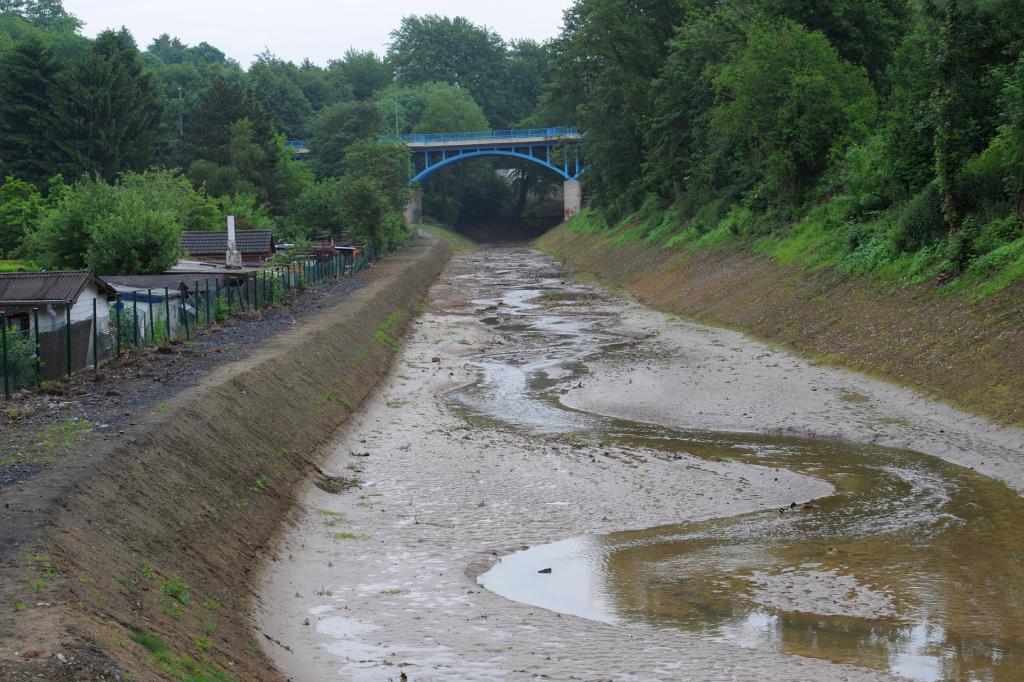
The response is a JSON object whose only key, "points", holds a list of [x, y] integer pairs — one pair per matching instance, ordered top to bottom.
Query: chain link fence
{"points": [[57, 340]]}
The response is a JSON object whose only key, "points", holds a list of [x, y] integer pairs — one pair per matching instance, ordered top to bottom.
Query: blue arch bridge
{"points": [[557, 149]]}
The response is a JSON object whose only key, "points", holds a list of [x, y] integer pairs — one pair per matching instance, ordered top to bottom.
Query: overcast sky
{"points": [[295, 29]]}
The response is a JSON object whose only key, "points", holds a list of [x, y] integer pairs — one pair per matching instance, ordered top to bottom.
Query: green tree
{"points": [[49, 14], [864, 32], [167, 49], [439, 49], [607, 56], [363, 71], [527, 74], [183, 75], [321, 87], [786, 102], [285, 104], [1012, 104], [109, 110], [451, 110], [27, 119], [338, 127], [209, 129], [676, 138], [233, 149], [387, 163], [21, 208], [319, 209], [366, 213], [131, 226], [65, 232], [134, 239]]}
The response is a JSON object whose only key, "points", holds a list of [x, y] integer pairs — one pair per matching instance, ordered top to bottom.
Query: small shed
{"points": [[256, 246], [50, 297], [151, 302]]}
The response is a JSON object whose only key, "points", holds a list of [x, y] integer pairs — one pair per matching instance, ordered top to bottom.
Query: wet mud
{"points": [[537, 443]]}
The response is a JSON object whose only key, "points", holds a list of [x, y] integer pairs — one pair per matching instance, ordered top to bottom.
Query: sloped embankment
{"points": [[968, 353], [147, 568]]}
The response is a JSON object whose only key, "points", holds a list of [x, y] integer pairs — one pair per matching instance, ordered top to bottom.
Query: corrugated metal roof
{"points": [[209, 243], [159, 282], [25, 287]]}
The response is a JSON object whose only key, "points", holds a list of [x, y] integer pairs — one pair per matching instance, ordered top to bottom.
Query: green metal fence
{"points": [[48, 344]]}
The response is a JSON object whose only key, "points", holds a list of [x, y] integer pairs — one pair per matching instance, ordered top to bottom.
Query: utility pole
{"points": [[396, 103]]}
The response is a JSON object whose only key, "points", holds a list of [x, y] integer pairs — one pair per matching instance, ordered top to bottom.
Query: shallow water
{"points": [[913, 565]]}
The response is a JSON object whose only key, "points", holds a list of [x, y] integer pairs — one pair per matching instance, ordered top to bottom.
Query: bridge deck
{"points": [[483, 139], [484, 144]]}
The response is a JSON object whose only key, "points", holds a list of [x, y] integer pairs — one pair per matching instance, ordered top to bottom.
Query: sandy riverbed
{"points": [[381, 579]]}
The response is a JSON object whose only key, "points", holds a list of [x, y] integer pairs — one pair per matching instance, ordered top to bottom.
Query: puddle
{"points": [[913, 565]]}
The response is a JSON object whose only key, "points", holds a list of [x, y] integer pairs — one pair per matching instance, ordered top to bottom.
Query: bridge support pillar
{"points": [[573, 198], [414, 211]]}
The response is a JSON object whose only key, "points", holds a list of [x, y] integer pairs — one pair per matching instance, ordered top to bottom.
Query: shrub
{"points": [[921, 223], [21, 359]]}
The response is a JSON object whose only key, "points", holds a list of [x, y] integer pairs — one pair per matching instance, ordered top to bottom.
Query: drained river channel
{"points": [[559, 482]]}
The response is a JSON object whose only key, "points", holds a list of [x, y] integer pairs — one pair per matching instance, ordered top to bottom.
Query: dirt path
{"points": [[48, 439], [146, 569], [382, 579]]}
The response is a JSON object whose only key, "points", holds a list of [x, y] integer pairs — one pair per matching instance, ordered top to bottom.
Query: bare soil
{"points": [[49, 436], [141, 569]]}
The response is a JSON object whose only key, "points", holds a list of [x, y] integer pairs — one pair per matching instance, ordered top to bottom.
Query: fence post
{"points": [[207, 283], [196, 290], [252, 296], [117, 306], [184, 310], [167, 314], [135, 316], [152, 322], [67, 334], [95, 339], [39, 349], [7, 374]]}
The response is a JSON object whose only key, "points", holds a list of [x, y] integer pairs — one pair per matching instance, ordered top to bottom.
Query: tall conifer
{"points": [[109, 110], [27, 149]]}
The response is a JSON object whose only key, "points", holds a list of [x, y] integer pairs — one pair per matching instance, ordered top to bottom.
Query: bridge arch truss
{"points": [[556, 149], [561, 159]]}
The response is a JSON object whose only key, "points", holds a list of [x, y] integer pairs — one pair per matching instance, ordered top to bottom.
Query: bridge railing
{"points": [[487, 135]]}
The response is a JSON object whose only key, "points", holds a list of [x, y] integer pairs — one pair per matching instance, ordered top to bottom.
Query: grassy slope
{"points": [[836, 235], [458, 242], [18, 266], [962, 343]]}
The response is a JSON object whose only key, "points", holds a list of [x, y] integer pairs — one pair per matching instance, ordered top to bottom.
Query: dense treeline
{"points": [[92, 131], [872, 135], [880, 136]]}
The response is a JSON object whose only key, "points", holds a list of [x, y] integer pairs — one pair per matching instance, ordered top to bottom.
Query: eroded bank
{"points": [[966, 353], [147, 568]]}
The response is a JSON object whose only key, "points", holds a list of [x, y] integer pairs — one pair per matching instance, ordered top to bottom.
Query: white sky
{"points": [[295, 29]]}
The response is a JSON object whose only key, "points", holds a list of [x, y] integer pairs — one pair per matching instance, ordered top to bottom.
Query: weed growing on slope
{"points": [[176, 589]]}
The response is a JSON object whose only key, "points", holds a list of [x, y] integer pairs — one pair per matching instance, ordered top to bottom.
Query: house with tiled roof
{"points": [[256, 246], [55, 299]]}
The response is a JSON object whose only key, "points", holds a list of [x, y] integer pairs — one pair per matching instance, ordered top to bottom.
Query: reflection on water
{"points": [[913, 565]]}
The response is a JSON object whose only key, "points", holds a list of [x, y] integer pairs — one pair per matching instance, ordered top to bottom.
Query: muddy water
{"points": [[912, 566]]}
